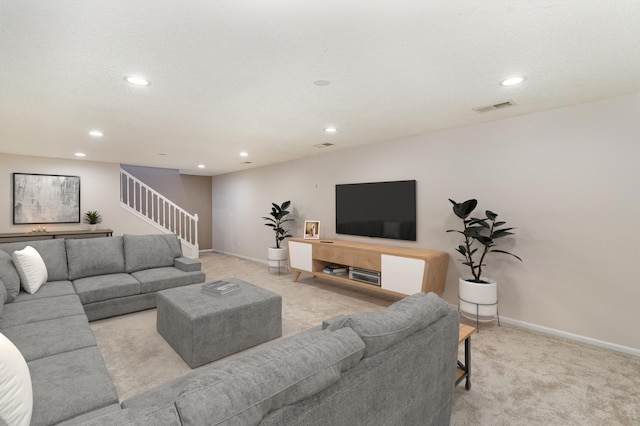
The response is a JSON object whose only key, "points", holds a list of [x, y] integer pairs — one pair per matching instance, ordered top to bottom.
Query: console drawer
{"points": [[327, 253], [361, 259]]}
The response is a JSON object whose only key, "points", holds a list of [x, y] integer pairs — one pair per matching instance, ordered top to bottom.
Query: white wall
{"points": [[568, 179], [99, 190]]}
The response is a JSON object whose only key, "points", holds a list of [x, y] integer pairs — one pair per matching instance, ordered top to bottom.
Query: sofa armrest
{"points": [[187, 265]]}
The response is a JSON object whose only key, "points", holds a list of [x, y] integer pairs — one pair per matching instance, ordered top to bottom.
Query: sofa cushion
{"points": [[150, 251], [53, 252], [89, 257], [187, 265], [31, 268], [9, 276], [152, 280], [105, 287], [51, 289], [3, 297], [40, 310], [381, 329], [50, 337], [69, 384], [16, 395], [246, 396], [165, 416], [85, 418]]}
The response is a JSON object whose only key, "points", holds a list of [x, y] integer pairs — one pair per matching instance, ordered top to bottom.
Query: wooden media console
{"points": [[402, 271]]}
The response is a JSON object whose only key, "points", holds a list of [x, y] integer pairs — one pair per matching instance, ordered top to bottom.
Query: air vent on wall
{"points": [[494, 107], [324, 145], [247, 162]]}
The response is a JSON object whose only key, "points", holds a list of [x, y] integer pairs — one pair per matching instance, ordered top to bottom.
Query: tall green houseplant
{"points": [[277, 219], [482, 230]]}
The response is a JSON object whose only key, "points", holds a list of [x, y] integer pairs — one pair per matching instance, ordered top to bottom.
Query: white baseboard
{"points": [[252, 259], [567, 335]]}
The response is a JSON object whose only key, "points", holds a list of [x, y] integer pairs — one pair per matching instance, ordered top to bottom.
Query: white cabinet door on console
{"points": [[300, 256], [402, 274]]}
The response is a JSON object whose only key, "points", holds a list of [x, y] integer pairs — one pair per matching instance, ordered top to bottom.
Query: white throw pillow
{"points": [[31, 268], [16, 394]]}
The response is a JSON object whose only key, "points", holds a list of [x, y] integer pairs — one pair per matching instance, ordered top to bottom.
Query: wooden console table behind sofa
{"points": [[49, 235]]}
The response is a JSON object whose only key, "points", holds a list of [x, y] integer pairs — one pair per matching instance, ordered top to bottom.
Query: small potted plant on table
{"points": [[93, 218]]}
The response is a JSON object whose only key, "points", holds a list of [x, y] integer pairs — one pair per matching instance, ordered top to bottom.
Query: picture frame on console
{"points": [[42, 198], [311, 229]]}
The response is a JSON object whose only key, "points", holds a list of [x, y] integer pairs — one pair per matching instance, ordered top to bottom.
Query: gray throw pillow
{"points": [[9, 276], [381, 329]]}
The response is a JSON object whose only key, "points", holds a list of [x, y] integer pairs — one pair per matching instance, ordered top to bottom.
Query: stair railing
{"points": [[157, 210]]}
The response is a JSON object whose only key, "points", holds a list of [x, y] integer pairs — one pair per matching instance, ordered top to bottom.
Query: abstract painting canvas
{"points": [[41, 198]]}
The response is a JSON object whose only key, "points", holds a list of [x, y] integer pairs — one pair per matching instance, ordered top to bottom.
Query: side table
{"points": [[463, 372]]}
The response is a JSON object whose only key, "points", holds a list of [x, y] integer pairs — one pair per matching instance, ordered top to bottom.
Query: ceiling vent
{"points": [[494, 107], [324, 145], [247, 162]]}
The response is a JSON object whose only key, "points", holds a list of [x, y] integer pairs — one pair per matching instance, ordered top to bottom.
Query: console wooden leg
{"points": [[296, 276]]}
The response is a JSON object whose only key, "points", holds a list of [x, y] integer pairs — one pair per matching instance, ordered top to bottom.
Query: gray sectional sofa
{"points": [[88, 279], [395, 366]]}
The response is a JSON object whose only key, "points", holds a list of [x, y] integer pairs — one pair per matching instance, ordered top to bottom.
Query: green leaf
{"points": [[462, 210], [491, 215], [478, 221], [498, 224], [473, 231], [501, 233], [485, 241], [505, 252]]}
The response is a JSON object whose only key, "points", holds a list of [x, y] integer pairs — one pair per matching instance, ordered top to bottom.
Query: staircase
{"points": [[152, 207]]}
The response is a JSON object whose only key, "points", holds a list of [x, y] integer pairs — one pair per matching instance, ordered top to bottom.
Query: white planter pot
{"points": [[92, 227], [277, 257], [478, 299]]}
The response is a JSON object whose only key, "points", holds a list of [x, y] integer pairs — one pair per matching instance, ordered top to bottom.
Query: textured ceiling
{"points": [[229, 76]]}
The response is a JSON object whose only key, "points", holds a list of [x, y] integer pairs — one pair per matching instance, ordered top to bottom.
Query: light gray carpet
{"points": [[519, 377]]}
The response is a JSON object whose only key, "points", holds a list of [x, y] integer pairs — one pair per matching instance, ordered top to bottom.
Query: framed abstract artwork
{"points": [[39, 198]]}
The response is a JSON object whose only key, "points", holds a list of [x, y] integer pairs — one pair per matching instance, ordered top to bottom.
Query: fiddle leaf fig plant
{"points": [[277, 219], [481, 230]]}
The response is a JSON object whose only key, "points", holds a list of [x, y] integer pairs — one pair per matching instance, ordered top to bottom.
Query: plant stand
{"points": [[278, 258], [478, 301], [477, 317]]}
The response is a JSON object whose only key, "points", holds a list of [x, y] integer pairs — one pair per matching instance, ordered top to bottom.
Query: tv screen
{"points": [[377, 209]]}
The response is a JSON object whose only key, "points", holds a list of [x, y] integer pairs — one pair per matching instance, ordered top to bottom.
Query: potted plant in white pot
{"points": [[93, 218], [278, 218], [478, 295]]}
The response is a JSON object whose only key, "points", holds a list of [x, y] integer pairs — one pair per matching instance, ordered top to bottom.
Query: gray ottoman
{"points": [[202, 328]]}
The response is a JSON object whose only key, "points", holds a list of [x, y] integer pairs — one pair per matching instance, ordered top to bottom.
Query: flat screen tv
{"points": [[377, 209]]}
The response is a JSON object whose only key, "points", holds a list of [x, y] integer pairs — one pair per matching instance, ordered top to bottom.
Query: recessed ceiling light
{"points": [[137, 80], [512, 81], [322, 83], [330, 130], [96, 133], [80, 154], [244, 154], [201, 166]]}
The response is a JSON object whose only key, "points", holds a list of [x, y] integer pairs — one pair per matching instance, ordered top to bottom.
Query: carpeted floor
{"points": [[519, 377]]}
